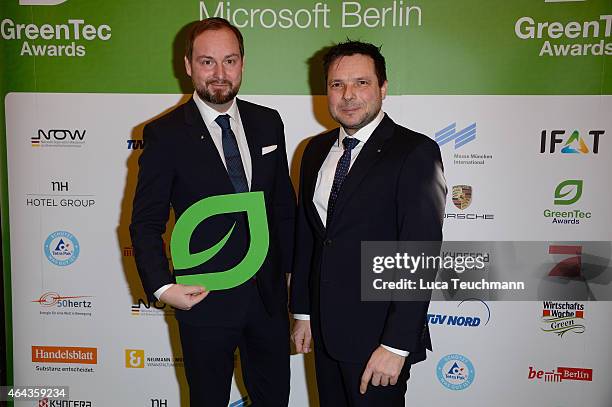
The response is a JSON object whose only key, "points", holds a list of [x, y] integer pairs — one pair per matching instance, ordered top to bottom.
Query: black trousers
{"points": [[263, 341], [339, 382]]}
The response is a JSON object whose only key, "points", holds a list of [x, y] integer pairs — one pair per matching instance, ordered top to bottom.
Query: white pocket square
{"points": [[268, 149]]}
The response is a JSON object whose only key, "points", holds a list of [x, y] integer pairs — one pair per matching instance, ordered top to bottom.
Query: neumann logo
{"points": [[71, 36], [461, 137], [59, 138], [135, 144], [572, 144], [567, 192], [250, 202], [561, 317], [64, 354], [134, 358], [561, 374]]}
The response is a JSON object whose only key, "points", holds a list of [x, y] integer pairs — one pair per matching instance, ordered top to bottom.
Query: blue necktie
{"points": [[233, 161], [341, 170]]}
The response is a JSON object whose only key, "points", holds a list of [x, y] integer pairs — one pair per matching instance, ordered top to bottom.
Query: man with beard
{"points": [[213, 145], [369, 180]]}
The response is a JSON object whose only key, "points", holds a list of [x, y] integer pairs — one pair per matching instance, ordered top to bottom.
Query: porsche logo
{"points": [[462, 196]]}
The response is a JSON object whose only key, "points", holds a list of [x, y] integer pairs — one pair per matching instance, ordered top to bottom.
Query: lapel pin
{"points": [[378, 151]]}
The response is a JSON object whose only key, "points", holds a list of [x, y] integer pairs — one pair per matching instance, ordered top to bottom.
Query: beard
{"points": [[219, 96]]}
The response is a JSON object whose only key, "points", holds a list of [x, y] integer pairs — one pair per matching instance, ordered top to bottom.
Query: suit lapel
{"points": [[197, 129], [251, 129], [319, 153], [368, 156]]}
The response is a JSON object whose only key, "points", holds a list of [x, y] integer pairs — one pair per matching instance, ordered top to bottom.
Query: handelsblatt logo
{"points": [[461, 137], [567, 187], [462, 196], [250, 202], [64, 354]]}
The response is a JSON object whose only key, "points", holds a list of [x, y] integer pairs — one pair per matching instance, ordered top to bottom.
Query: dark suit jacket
{"points": [[179, 166], [395, 190]]}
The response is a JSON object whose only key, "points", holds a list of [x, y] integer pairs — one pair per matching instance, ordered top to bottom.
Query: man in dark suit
{"points": [[214, 145], [370, 180]]}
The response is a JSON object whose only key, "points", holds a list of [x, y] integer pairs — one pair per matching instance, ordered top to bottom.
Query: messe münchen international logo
{"points": [[62, 248], [455, 372]]}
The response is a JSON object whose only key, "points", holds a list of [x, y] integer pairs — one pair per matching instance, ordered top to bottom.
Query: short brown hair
{"points": [[213, 23]]}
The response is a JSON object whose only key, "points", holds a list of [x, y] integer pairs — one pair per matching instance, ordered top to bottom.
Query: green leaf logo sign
{"points": [[567, 187], [250, 202]]}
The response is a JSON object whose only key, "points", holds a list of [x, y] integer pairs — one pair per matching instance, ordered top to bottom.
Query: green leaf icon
{"points": [[560, 196], [250, 202]]}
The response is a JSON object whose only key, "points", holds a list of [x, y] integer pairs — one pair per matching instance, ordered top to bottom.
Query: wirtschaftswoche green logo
{"points": [[250, 202]]}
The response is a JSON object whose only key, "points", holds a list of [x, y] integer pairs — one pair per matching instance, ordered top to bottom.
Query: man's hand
{"points": [[183, 296], [301, 336], [383, 368]]}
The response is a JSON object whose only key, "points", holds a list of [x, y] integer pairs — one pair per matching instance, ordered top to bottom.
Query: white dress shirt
{"points": [[208, 116], [325, 180]]}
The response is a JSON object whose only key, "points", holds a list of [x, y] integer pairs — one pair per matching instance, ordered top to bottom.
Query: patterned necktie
{"points": [[233, 161], [341, 170]]}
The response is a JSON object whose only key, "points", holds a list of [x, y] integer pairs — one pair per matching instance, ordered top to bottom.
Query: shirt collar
{"points": [[209, 114], [364, 133]]}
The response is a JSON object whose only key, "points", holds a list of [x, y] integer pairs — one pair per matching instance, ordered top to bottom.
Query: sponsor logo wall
{"points": [[522, 118]]}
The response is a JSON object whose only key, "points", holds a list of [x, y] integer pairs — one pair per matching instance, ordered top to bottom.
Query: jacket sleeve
{"points": [[421, 197], [151, 207], [304, 243]]}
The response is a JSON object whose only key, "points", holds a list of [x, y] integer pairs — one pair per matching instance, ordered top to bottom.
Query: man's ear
{"points": [[187, 66], [383, 89]]}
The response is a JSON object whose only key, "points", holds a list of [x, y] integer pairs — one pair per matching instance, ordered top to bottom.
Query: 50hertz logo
{"points": [[134, 358]]}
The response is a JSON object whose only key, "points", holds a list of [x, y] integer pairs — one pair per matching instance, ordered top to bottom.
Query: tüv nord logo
{"points": [[250, 202]]}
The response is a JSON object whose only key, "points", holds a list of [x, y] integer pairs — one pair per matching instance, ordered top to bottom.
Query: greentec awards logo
{"points": [[565, 188], [567, 192], [250, 202]]}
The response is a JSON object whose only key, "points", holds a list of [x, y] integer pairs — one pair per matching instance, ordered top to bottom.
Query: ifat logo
{"points": [[461, 137], [574, 144], [567, 193], [462, 196], [250, 202], [62, 248], [561, 317], [455, 372]]}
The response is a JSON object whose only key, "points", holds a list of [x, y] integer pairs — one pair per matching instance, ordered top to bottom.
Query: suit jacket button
{"points": [[327, 242]]}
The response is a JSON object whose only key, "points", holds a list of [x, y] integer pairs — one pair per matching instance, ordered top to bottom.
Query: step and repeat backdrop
{"points": [[517, 94]]}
